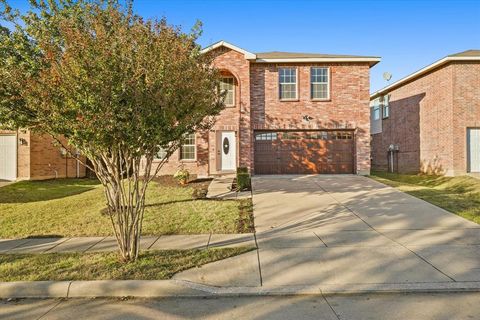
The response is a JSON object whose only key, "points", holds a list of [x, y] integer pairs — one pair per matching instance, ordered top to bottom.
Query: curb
{"points": [[182, 288]]}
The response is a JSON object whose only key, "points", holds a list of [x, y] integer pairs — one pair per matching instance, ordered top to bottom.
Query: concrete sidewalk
{"points": [[101, 244]]}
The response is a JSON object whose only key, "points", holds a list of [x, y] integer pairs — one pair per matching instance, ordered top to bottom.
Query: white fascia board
{"points": [[248, 55], [421, 72]]}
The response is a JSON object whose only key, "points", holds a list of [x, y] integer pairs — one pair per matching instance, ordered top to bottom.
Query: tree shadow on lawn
{"points": [[45, 190]]}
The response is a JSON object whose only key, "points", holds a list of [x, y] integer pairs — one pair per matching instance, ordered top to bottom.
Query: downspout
{"points": [[77, 154]]}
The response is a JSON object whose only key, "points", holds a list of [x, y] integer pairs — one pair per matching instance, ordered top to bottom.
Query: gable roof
{"points": [[248, 55], [469, 55], [285, 57]]}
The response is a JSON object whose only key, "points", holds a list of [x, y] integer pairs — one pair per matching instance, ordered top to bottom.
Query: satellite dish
{"points": [[387, 76]]}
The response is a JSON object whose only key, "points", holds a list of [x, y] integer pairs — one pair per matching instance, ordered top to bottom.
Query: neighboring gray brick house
{"points": [[431, 119]]}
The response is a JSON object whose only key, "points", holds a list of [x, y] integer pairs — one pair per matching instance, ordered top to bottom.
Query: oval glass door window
{"points": [[226, 145]]}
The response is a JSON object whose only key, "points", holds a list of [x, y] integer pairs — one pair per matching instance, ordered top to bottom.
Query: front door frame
{"points": [[232, 150]]}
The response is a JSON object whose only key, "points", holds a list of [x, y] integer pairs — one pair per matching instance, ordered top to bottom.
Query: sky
{"points": [[408, 35]]}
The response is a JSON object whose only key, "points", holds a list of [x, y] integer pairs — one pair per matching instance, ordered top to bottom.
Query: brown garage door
{"points": [[283, 152]]}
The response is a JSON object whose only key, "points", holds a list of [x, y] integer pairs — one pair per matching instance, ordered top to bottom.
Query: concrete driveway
{"points": [[340, 230]]}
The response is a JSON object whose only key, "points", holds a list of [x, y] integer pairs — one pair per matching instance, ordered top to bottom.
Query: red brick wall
{"points": [[230, 63], [466, 104], [348, 106], [428, 120], [47, 162]]}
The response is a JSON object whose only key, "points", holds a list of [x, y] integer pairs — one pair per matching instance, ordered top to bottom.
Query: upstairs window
{"points": [[287, 83], [319, 83], [227, 84], [386, 107], [376, 109], [376, 113], [187, 150]]}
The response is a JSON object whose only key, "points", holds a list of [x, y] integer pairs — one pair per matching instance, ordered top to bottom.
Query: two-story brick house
{"points": [[285, 113], [429, 121]]}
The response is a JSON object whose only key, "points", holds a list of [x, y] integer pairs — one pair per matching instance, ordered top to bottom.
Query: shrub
{"points": [[242, 170], [182, 176], [243, 181]]}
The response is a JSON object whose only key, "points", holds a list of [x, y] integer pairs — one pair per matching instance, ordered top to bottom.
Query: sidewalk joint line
{"points": [[320, 239], [208, 241], [153, 243], [56, 245], [93, 245], [258, 259], [68, 289], [331, 308]]}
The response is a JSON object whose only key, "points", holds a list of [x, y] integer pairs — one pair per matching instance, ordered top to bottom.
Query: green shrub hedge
{"points": [[242, 170], [243, 181]]}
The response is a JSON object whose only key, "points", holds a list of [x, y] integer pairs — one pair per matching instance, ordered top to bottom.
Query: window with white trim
{"points": [[287, 79], [319, 83], [227, 84], [386, 106], [376, 109], [376, 112], [187, 150]]}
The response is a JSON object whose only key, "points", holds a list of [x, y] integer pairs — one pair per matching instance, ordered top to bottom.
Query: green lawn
{"points": [[460, 195], [72, 207], [151, 265]]}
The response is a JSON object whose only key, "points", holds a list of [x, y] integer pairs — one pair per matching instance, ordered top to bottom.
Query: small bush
{"points": [[242, 170], [182, 175], [243, 181]]}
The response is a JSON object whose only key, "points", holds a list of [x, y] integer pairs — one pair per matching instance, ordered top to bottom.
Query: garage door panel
{"points": [[304, 152]]}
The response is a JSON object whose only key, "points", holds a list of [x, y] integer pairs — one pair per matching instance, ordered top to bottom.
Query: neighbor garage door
{"points": [[285, 152], [473, 156], [8, 159]]}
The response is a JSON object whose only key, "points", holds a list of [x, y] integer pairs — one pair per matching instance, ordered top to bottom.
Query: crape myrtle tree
{"points": [[117, 87]]}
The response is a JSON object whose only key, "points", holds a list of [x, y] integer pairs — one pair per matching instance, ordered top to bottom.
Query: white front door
{"points": [[473, 141], [228, 150], [8, 157]]}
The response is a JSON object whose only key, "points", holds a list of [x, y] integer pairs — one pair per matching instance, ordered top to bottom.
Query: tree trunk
{"points": [[125, 190]]}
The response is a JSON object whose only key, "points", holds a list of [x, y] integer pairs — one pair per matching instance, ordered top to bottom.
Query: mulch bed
{"points": [[200, 186], [245, 220]]}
